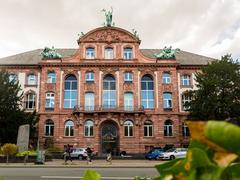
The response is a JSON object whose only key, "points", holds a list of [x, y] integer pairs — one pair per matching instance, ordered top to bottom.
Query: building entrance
{"points": [[109, 138]]}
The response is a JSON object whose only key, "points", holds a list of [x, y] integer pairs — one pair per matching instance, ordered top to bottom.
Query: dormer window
{"points": [[90, 53], [108, 53], [128, 54]]}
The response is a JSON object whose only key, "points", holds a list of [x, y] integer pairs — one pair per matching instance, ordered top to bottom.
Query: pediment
{"points": [[108, 34]]}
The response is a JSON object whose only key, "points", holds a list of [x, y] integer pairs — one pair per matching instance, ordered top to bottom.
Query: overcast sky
{"points": [[206, 27]]}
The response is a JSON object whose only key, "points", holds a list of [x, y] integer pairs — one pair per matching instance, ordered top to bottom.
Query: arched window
{"points": [[90, 53], [108, 53], [128, 53], [51, 77], [89, 77], [13, 78], [166, 78], [31, 79], [185, 80], [70, 92], [109, 92], [147, 93], [185, 99], [49, 100], [167, 100], [30, 101], [89, 101], [128, 101], [49, 128], [69, 128], [88, 128], [128, 128], [148, 128], [168, 128], [185, 130]]}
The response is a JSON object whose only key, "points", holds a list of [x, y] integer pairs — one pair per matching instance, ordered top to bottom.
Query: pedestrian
{"points": [[67, 154], [89, 155], [109, 156]]}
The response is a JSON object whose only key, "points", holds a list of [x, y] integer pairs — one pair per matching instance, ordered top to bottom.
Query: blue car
{"points": [[154, 153]]}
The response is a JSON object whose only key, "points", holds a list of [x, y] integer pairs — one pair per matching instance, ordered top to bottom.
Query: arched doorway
{"points": [[109, 138]]}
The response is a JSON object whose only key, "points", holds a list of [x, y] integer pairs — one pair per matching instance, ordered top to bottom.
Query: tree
{"points": [[218, 91], [12, 115], [9, 150]]}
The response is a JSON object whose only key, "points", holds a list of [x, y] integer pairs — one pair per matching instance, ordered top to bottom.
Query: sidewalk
{"points": [[58, 163]]}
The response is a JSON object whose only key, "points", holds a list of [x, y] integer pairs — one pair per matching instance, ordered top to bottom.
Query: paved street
{"points": [[56, 170]]}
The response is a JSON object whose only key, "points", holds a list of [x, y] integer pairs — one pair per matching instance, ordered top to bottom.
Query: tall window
{"points": [[90, 53], [108, 53], [128, 54], [51, 77], [89, 77], [128, 77], [13, 78], [166, 78], [31, 79], [185, 80], [70, 92], [109, 92], [147, 93], [185, 99], [49, 100], [167, 100], [30, 101], [89, 101], [128, 101], [49, 127], [69, 128], [88, 128], [128, 128], [148, 128], [168, 128], [185, 130]]}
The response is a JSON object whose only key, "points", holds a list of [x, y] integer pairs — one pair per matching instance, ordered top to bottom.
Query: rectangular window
{"points": [[90, 53], [108, 53], [128, 53], [89, 77], [128, 77], [51, 78], [32, 80], [185, 80], [167, 100]]}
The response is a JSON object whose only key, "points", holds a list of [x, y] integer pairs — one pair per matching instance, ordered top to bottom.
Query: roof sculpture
{"points": [[108, 16], [50, 53], [167, 53]]}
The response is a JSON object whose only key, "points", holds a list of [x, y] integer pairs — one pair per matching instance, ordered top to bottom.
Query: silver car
{"points": [[79, 153], [174, 153]]}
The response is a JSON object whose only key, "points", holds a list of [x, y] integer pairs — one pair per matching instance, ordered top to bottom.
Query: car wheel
{"points": [[80, 157], [172, 157]]}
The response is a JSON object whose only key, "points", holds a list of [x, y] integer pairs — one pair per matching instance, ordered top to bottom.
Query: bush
{"points": [[9, 150], [55, 150], [29, 153]]}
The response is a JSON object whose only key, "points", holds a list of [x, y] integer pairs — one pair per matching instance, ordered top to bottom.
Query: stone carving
{"points": [[108, 16], [135, 33], [50, 53], [167, 53], [23, 137]]}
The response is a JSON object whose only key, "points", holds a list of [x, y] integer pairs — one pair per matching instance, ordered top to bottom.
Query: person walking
{"points": [[67, 154], [89, 155], [109, 156]]}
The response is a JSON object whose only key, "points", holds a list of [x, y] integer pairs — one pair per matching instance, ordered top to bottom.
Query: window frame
{"points": [[90, 54], [109, 54], [127, 54], [51, 77], [89, 77], [128, 77], [166, 79], [185, 80], [32, 81], [72, 92], [50, 96], [31, 100], [167, 101], [109, 102], [150, 102], [89, 103], [49, 126], [69, 128], [88, 128], [128, 128], [148, 128], [168, 128], [185, 130]]}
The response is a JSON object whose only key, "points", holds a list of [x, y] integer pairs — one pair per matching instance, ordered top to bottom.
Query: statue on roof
{"points": [[108, 15], [135, 33], [50, 53], [167, 53]]}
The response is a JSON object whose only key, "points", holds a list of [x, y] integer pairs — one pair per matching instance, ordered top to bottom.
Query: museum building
{"points": [[108, 93]]}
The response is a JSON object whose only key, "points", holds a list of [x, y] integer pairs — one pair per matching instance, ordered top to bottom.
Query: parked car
{"points": [[79, 153], [154, 153], [174, 153]]}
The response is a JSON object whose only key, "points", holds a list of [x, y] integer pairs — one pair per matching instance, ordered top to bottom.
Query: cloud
{"points": [[204, 27]]}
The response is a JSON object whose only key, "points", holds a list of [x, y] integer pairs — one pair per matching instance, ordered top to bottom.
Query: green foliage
{"points": [[218, 93], [11, 113], [9, 149], [55, 150], [29, 153], [208, 157], [91, 175]]}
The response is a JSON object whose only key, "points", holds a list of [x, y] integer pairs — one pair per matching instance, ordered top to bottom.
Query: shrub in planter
{"points": [[9, 150], [25, 153]]}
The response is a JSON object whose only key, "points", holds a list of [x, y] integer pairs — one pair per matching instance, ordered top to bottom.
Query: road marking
{"points": [[75, 177]]}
